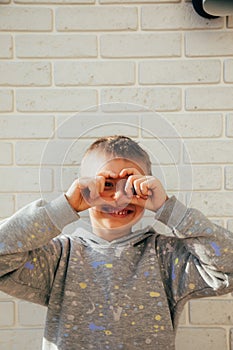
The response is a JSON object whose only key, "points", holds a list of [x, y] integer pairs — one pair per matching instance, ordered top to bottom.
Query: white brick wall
{"points": [[73, 70]]}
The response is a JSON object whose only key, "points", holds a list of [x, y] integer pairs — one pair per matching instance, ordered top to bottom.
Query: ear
{"points": [[213, 8]]}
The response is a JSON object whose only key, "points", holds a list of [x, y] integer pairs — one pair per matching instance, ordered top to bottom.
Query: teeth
{"points": [[122, 212]]}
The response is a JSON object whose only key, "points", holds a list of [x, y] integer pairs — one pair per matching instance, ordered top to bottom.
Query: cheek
{"points": [[106, 194], [140, 211]]}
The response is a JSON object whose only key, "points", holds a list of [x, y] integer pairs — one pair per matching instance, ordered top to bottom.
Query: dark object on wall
{"points": [[213, 8]]}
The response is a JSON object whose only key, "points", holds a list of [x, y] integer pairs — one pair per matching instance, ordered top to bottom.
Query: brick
{"points": [[135, 1], [54, 2], [174, 16], [96, 18], [31, 19], [230, 22], [209, 43], [141, 45], [56, 46], [6, 47], [179, 71], [228, 71], [94, 73], [25, 74], [209, 98], [138, 99], [6, 100], [50, 100], [82, 125], [186, 125], [229, 125], [28, 126], [210, 151], [30, 152], [54, 152], [163, 152], [6, 153], [65, 178], [188, 178], [229, 178], [24, 179], [23, 199], [213, 204], [6, 206], [4, 296], [211, 312], [6, 313], [30, 314], [201, 338], [25, 339]]}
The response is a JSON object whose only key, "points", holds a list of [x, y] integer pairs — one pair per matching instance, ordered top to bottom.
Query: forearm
{"points": [[35, 225], [210, 243]]}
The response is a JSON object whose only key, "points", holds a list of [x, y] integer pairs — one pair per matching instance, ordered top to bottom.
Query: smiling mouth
{"points": [[116, 212]]}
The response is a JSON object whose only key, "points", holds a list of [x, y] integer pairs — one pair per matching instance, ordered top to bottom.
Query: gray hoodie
{"points": [[125, 294]]}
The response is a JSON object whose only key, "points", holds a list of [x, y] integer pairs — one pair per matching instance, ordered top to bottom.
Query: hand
{"points": [[146, 191], [84, 192]]}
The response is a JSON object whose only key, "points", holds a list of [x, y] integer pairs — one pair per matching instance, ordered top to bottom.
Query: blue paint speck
{"points": [[2, 245], [216, 248], [95, 264], [29, 265], [146, 273], [173, 273], [93, 327], [66, 335]]}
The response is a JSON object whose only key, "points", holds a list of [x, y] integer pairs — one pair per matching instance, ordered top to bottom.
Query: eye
{"points": [[108, 185]]}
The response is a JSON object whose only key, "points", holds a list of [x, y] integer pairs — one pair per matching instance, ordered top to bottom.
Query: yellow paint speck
{"points": [[176, 261], [109, 266], [83, 285], [191, 286], [116, 287], [154, 294], [141, 307], [158, 317], [133, 323], [108, 332]]}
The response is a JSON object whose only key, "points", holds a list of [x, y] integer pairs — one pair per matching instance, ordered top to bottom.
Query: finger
{"points": [[129, 171], [108, 174], [100, 183], [129, 186], [148, 186], [141, 191], [138, 200]]}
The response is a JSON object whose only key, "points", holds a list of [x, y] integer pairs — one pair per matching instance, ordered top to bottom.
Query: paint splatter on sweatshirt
{"points": [[125, 294]]}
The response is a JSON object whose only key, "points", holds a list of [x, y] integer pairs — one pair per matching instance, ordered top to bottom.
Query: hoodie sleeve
{"points": [[29, 251], [197, 256]]}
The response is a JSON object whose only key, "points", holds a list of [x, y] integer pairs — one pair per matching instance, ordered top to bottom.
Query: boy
{"points": [[112, 288]]}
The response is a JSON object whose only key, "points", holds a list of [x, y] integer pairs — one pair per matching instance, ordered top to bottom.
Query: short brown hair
{"points": [[121, 146]]}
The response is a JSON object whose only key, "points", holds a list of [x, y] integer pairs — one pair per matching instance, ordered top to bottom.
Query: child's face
{"points": [[117, 215]]}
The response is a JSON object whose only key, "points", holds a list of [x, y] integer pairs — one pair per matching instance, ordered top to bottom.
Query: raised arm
{"points": [[28, 253], [197, 258]]}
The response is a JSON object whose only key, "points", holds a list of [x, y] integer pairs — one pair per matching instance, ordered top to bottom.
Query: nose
{"points": [[119, 194]]}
